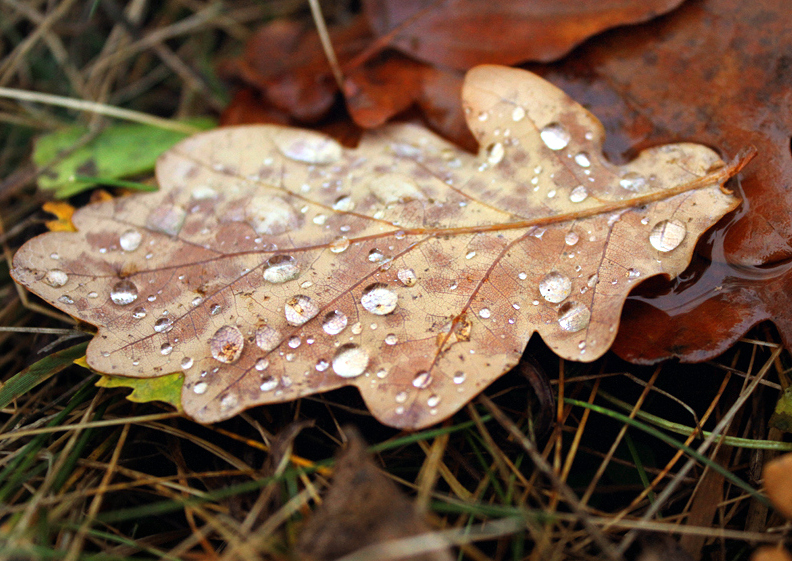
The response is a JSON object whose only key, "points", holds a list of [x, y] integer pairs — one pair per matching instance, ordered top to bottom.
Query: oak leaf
{"points": [[647, 84], [275, 264]]}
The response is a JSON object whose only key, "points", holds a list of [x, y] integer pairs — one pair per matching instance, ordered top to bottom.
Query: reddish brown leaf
{"points": [[463, 33], [716, 72], [275, 264]]}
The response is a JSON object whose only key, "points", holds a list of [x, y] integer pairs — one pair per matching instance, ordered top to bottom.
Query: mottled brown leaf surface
{"points": [[463, 33], [716, 72], [275, 264], [363, 508]]}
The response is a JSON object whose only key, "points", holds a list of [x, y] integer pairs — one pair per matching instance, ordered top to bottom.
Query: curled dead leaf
{"points": [[274, 263], [363, 508]]}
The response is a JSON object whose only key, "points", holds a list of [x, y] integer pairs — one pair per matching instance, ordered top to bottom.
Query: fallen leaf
{"points": [[464, 33], [715, 72], [117, 151], [63, 213], [275, 264], [166, 389], [782, 415], [778, 483], [363, 508], [771, 553]]}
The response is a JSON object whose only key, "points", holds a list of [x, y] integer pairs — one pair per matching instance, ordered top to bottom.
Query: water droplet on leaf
{"points": [[555, 136], [578, 194], [667, 235], [130, 240], [281, 268], [407, 277], [56, 278], [555, 287], [124, 292], [379, 299], [299, 309], [573, 316], [334, 322], [267, 338], [226, 344], [350, 361], [422, 379]]}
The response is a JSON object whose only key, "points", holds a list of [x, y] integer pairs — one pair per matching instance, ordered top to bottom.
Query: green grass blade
{"points": [[35, 374], [729, 476]]}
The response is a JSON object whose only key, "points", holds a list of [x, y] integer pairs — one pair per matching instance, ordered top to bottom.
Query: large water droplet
{"points": [[555, 136], [306, 146], [495, 153], [582, 159], [633, 181], [391, 188], [578, 194], [344, 203], [272, 215], [167, 219], [667, 235], [571, 237], [130, 240], [339, 245], [376, 255], [281, 268], [407, 277], [56, 278], [555, 287], [124, 292], [379, 299], [299, 309], [139, 312], [573, 316], [334, 322], [267, 338], [391, 339], [294, 341], [226, 344], [166, 349], [350, 361], [186, 363], [262, 364], [459, 377], [422, 379], [268, 384], [200, 388], [433, 400]]}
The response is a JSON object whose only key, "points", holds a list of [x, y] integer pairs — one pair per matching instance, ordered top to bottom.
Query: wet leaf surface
{"points": [[715, 72], [275, 264]]}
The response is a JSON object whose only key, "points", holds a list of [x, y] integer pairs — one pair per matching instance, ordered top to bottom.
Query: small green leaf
{"points": [[118, 151], [33, 375], [163, 388], [782, 416]]}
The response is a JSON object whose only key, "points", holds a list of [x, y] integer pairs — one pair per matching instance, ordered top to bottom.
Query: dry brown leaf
{"points": [[275, 264], [778, 483], [363, 508]]}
